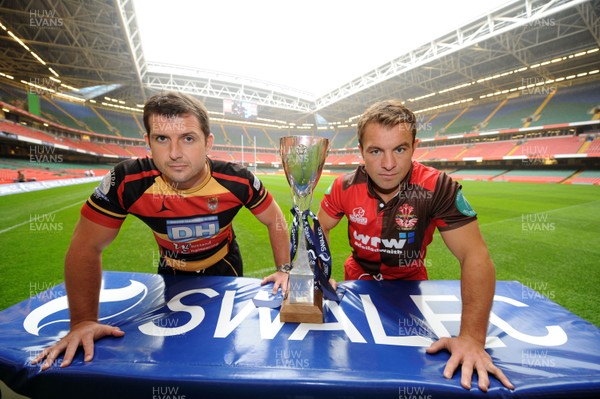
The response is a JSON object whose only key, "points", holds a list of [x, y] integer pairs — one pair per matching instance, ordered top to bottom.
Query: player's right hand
{"points": [[333, 284], [82, 334]]}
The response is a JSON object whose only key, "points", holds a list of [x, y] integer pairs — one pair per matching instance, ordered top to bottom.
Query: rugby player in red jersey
{"points": [[393, 205]]}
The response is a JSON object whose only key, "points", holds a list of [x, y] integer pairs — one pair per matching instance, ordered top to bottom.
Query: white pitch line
{"points": [[49, 213], [482, 225], [261, 272]]}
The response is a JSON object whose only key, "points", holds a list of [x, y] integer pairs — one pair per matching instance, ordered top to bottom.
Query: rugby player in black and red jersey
{"points": [[187, 199], [393, 205]]}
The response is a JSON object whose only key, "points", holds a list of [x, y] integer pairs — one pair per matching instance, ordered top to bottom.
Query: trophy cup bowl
{"points": [[302, 158]]}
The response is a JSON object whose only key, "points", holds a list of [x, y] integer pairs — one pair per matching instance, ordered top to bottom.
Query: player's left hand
{"points": [[279, 280], [469, 353]]}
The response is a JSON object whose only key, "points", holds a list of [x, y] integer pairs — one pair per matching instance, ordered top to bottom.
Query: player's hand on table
{"points": [[279, 280], [333, 284], [82, 334], [469, 353]]}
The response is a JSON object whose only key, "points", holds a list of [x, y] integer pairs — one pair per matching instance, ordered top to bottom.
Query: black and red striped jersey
{"points": [[193, 228], [389, 240]]}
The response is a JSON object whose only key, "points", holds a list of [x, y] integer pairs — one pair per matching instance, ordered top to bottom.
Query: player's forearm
{"points": [[327, 223], [279, 237], [280, 243], [83, 277], [478, 283]]}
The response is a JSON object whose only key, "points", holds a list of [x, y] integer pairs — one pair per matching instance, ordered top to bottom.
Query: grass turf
{"points": [[543, 235]]}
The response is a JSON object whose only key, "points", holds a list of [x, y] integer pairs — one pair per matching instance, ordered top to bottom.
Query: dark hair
{"points": [[175, 104], [387, 113]]}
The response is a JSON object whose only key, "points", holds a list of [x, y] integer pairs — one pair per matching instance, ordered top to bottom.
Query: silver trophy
{"points": [[303, 158]]}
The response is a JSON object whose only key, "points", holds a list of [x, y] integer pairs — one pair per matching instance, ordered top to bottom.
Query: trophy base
{"points": [[301, 312]]}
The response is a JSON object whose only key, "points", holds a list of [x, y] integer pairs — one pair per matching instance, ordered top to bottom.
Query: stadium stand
{"points": [[8, 95], [570, 104], [532, 107], [52, 112], [513, 112], [86, 115], [472, 120], [122, 123], [438, 124], [15, 128], [326, 133], [277, 134], [234, 135], [450, 137], [42, 138], [261, 138], [345, 138], [551, 146], [591, 147], [118, 150], [138, 151], [488, 151], [442, 153], [268, 158], [340, 158], [45, 170], [476, 174], [535, 176], [585, 177]]}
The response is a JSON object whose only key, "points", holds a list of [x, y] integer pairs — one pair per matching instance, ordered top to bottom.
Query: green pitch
{"points": [[543, 235]]}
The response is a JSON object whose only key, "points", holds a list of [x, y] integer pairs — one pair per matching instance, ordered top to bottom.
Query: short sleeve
{"points": [[259, 197], [332, 200], [104, 206], [451, 208]]}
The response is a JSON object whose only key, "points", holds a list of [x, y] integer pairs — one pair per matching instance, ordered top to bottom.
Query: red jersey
{"points": [[193, 228], [389, 240]]}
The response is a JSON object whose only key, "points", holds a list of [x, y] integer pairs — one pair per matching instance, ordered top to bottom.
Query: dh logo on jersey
{"points": [[192, 229]]}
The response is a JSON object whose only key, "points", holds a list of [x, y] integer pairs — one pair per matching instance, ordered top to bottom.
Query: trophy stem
{"points": [[302, 278]]}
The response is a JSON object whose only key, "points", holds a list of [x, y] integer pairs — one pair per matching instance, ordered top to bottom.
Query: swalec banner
{"points": [[191, 337]]}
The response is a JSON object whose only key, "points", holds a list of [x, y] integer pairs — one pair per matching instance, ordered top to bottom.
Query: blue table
{"points": [[196, 337]]}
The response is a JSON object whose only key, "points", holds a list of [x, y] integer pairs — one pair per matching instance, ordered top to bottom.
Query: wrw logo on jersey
{"points": [[192, 229], [375, 243]]}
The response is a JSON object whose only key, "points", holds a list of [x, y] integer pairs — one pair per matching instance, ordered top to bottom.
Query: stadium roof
{"points": [[101, 44], [310, 47]]}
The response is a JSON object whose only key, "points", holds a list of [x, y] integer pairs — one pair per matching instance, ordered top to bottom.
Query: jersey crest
{"points": [[405, 218]]}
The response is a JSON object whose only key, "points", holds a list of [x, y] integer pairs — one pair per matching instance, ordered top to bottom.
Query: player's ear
{"points": [[209, 141]]}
